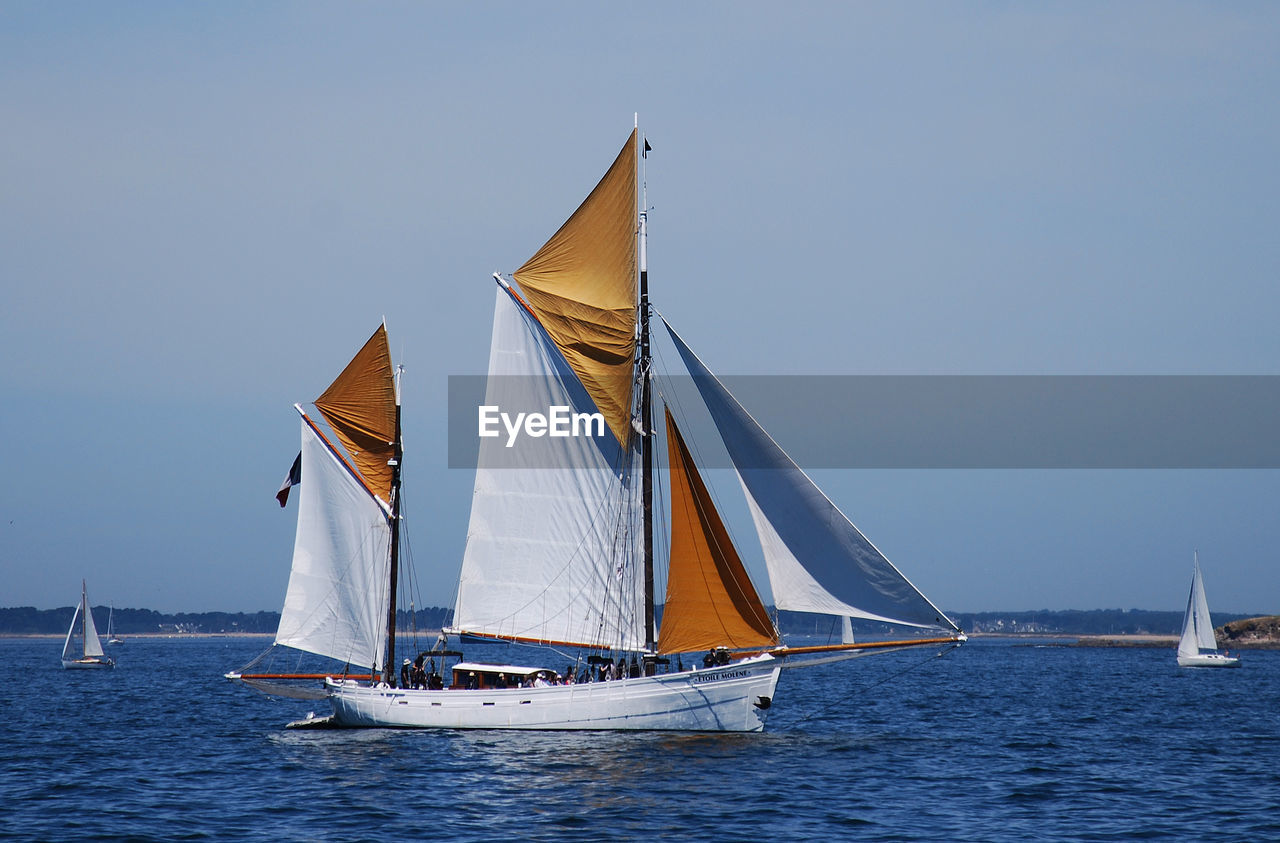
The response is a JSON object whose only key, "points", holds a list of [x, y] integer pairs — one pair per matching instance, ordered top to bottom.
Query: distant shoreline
{"points": [[147, 635], [1092, 636], [1083, 640], [1119, 641]]}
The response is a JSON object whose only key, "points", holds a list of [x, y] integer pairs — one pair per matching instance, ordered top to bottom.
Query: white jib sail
{"points": [[551, 544], [818, 561], [336, 603], [1197, 626], [92, 646], [68, 647]]}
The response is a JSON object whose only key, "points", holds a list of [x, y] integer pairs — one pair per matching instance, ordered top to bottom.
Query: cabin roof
{"points": [[509, 669]]}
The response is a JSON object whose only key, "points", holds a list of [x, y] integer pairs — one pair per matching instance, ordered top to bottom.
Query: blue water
{"points": [[992, 741]]}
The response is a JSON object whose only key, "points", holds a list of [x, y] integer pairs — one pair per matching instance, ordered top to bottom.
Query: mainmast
{"points": [[646, 405], [388, 667]]}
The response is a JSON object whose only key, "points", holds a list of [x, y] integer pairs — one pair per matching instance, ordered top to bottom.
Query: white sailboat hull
{"points": [[1208, 660], [87, 663], [731, 698]]}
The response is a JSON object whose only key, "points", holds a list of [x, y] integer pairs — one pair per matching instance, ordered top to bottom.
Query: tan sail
{"points": [[581, 285], [360, 406], [710, 599]]}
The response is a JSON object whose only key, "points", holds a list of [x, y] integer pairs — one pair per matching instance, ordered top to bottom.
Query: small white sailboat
{"points": [[561, 544], [112, 638], [1198, 646], [83, 649]]}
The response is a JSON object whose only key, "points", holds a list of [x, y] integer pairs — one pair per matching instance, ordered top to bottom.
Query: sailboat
{"points": [[561, 545], [112, 638], [1198, 646], [83, 649]]}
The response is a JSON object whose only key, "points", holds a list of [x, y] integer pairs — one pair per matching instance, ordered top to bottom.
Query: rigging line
{"points": [[620, 564], [410, 582], [891, 677]]}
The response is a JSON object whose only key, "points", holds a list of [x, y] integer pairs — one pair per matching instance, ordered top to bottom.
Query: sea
{"points": [[995, 740]]}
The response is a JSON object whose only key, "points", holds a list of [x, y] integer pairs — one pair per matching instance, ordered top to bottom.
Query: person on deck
{"points": [[404, 674]]}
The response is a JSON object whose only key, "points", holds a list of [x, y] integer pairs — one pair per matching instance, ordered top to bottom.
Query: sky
{"points": [[205, 209]]}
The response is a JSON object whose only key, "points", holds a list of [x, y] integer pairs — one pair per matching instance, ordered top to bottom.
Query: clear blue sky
{"points": [[206, 208]]}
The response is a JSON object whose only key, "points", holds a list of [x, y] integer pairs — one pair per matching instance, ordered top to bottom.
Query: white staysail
{"points": [[550, 544], [818, 561], [338, 588], [1197, 626], [92, 645], [69, 649]]}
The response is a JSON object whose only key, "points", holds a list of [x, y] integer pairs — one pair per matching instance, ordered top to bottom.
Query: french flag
{"points": [[293, 479]]}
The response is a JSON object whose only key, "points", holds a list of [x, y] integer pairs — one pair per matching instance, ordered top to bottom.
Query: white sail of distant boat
{"points": [[561, 543], [112, 638], [1198, 646], [83, 649]]}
